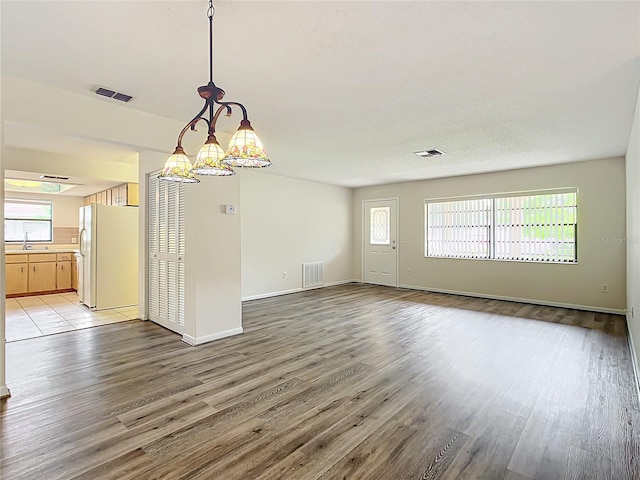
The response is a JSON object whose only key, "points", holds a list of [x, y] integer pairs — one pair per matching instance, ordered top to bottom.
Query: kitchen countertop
{"points": [[32, 251]]}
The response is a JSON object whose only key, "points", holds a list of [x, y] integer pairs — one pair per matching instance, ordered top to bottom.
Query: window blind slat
{"points": [[532, 227]]}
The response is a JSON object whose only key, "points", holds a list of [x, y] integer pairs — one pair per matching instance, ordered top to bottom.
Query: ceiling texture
{"points": [[345, 92]]}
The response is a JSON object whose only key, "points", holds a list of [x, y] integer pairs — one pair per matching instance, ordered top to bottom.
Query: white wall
{"points": [[65, 208], [287, 222], [601, 231], [633, 234], [213, 260], [213, 307], [4, 391]]}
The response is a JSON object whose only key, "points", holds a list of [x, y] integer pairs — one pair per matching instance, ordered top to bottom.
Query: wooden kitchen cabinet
{"points": [[122, 194], [128, 194], [133, 194], [125, 195], [64, 270], [35, 273], [74, 273], [63, 275], [42, 276], [17, 278]]}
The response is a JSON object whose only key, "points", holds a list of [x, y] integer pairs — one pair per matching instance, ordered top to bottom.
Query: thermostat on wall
{"points": [[230, 209]]}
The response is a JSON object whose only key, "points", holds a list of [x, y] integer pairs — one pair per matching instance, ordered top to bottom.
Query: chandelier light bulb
{"points": [[245, 149], [209, 160], [178, 168]]}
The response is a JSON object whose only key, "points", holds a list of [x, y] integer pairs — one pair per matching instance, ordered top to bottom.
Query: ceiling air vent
{"points": [[108, 92], [429, 153], [53, 177]]}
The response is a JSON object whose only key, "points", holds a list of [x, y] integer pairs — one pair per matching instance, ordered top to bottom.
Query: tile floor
{"points": [[29, 317]]}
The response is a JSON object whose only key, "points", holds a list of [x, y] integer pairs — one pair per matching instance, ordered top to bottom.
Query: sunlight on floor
{"points": [[29, 317]]}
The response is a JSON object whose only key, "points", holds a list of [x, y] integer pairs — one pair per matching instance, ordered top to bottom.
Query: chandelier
{"points": [[245, 148]]}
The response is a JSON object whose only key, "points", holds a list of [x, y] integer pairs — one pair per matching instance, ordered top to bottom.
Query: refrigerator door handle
{"points": [[82, 234]]}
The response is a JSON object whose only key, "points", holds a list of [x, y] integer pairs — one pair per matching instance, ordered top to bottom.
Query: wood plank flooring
{"points": [[349, 382]]}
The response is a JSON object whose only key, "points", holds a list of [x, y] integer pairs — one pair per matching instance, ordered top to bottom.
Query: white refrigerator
{"points": [[108, 261]]}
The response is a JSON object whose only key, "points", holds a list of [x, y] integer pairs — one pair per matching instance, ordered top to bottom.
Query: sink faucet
{"points": [[24, 242]]}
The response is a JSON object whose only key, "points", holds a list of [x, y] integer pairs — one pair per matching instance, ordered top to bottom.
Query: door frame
{"points": [[364, 236]]}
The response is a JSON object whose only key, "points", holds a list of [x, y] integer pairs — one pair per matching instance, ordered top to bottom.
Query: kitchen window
{"points": [[28, 220], [528, 227]]}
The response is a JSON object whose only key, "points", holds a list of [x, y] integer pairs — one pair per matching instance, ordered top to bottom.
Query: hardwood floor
{"points": [[349, 382]]}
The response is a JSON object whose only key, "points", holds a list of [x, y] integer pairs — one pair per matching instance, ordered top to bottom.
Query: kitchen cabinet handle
{"points": [[21, 269]]}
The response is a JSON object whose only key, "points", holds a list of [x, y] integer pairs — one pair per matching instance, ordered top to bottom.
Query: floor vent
{"points": [[312, 274]]}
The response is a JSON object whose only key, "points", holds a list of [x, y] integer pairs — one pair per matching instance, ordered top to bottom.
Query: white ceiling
{"points": [[344, 92], [34, 138]]}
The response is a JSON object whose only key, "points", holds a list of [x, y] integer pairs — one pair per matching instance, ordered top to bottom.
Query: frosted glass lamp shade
{"points": [[245, 149], [209, 160], [178, 168]]}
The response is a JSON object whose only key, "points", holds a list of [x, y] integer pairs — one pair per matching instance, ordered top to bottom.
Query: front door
{"points": [[380, 245]]}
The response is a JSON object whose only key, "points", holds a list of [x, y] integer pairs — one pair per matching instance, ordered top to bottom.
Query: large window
{"points": [[29, 220], [534, 227]]}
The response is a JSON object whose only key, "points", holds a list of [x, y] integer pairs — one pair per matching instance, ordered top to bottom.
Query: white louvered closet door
{"points": [[167, 248]]}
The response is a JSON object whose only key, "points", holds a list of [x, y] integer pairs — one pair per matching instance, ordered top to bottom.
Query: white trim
{"points": [[295, 290], [532, 301], [210, 338], [634, 360], [4, 392]]}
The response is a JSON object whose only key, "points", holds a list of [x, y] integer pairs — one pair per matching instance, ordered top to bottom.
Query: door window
{"points": [[380, 226]]}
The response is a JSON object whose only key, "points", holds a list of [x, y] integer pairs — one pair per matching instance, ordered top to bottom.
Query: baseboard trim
{"points": [[295, 290], [588, 308], [193, 341], [634, 360], [4, 392]]}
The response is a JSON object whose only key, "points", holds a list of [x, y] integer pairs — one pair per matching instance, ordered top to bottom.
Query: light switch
{"points": [[230, 209]]}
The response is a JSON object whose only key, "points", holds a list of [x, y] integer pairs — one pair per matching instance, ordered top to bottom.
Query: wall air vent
{"points": [[110, 93], [429, 153], [312, 274]]}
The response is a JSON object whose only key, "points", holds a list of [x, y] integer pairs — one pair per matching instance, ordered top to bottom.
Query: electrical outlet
{"points": [[74, 240], [408, 271], [284, 275], [605, 288]]}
